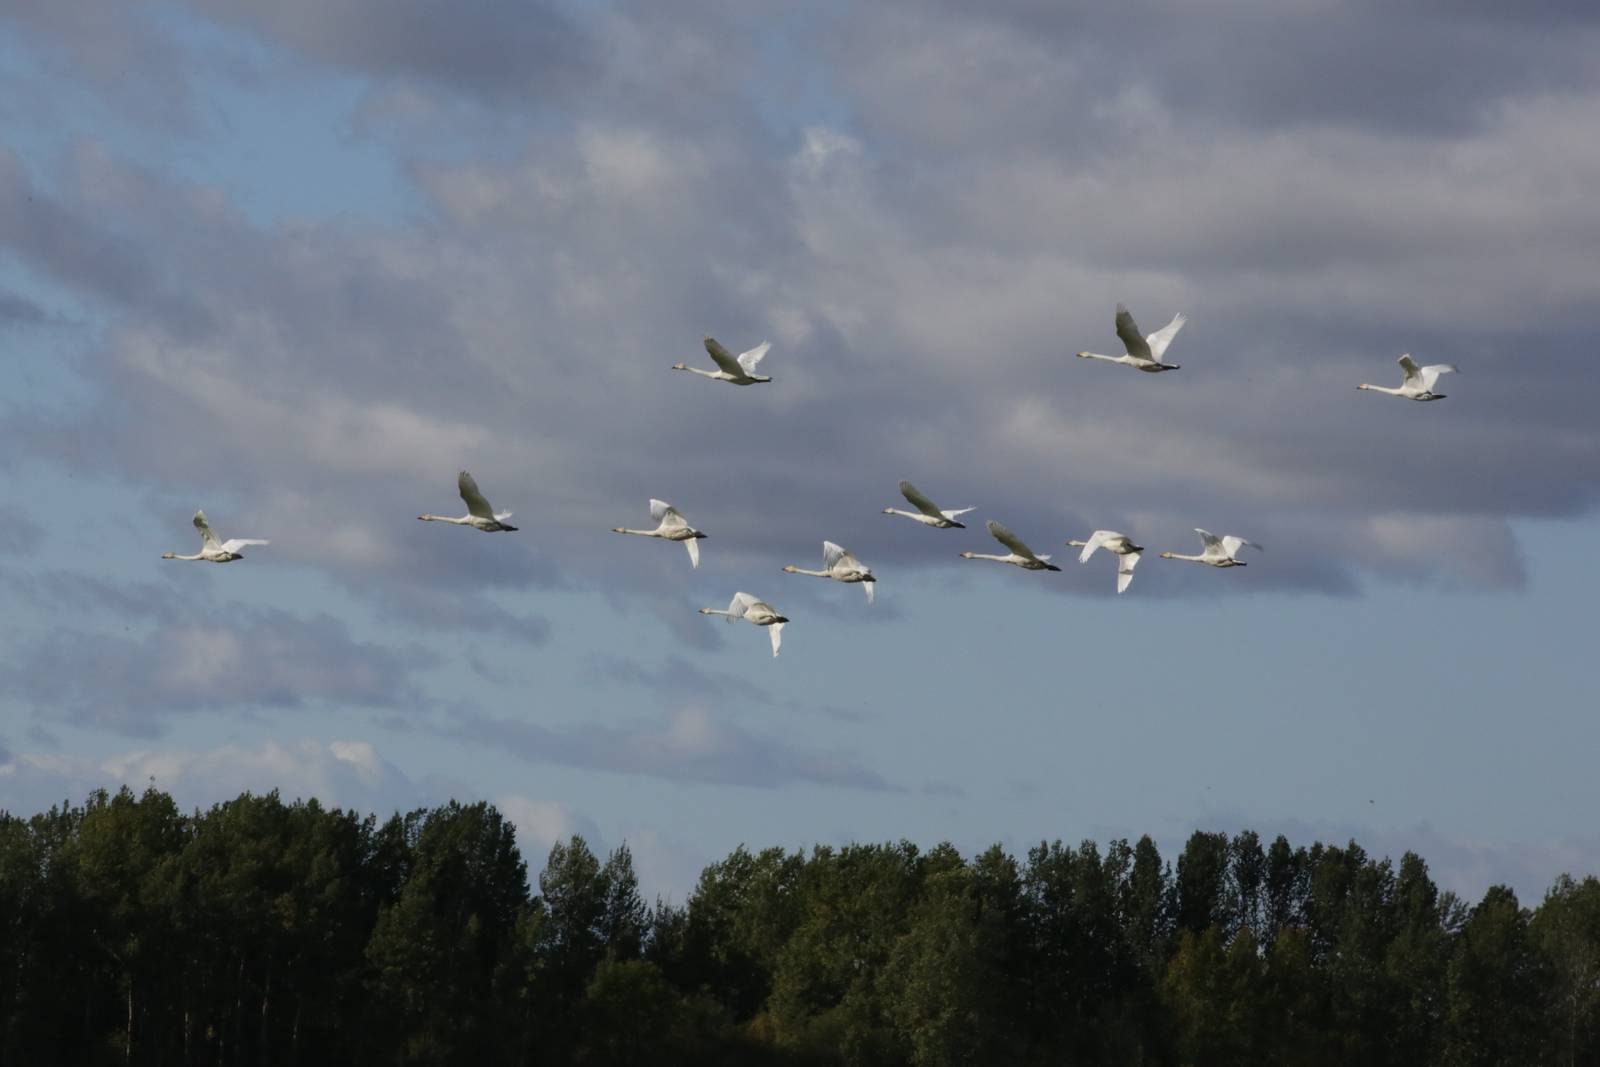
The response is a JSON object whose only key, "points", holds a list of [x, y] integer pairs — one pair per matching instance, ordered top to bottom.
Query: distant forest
{"points": [[261, 932]]}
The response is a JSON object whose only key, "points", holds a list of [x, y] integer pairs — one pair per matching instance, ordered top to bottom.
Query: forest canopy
{"points": [[260, 931]]}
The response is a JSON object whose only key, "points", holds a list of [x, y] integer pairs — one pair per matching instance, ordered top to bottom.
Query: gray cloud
{"points": [[926, 256], [250, 658], [690, 745]]}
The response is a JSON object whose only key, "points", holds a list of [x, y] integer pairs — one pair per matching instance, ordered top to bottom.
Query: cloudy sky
{"points": [[298, 263]]}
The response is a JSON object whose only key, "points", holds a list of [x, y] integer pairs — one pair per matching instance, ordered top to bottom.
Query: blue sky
{"points": [[297, 267]]}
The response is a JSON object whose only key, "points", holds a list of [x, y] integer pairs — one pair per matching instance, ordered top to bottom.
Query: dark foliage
{"points": [[260, 932]]}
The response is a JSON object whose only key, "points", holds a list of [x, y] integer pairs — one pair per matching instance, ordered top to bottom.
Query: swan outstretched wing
{"points": [[1132, 339], [1159, 340], [722, 357], [749, 359], [1413, 372], [1430, 374], [922, 503], [477, 505], [956, 513], [666, 514], [207, 538], [1209, 539], [1010, 540], [1096, 540], [241, 542], [1231, 545], [694, 552], [832, 554], [1125, 565], [869, 587], [741, 603], [776, 632]]}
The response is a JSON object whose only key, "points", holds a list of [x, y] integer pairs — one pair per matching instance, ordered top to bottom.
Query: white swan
{"points": [[1144, 353], [739, 371], [1418, 384], [927, 512], [479, 516], [672, 526], [1112, 541], [212, 550], [1219, 551], [1021, 555], [841, 566], [756, 612]]}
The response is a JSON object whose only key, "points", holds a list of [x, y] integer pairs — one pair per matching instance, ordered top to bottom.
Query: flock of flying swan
{"points": [[1143, 352]]}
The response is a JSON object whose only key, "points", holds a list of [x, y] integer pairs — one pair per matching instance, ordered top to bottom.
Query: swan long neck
{"points": [[1097, 355], [702, 373], [1381, 389], [902, 511], [446, 518], [640, 533], [174, 555], [985, 555], [1179, 555], [814, 574]]}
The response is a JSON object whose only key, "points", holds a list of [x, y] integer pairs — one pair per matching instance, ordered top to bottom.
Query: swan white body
{"points": [[1143, 353], [737, 370], [1418, 383], [927, 512], [479, 516], [670, 526], [1120, 544], [212, 550], [1219, 551], [1020, 556], [841, 566], [756, 612]]}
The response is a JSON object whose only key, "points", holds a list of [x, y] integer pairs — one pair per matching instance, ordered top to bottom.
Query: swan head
{"points": [[1083, 355], [680, 366], [1363, 386], [888, 511], [618, 529], [169, 555], [966, 555], [1166, 555], [790, 568], [707, 611]]}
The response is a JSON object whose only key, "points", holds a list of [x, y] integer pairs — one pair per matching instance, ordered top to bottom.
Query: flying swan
{"points": [[1144, 353], [738, 371], [1418, 384], [927, 512], [479, 516], [671, 526], [1112, 541], [212, 550], [1219, 551], [1021, 555], [841, 566], [756, 612]]}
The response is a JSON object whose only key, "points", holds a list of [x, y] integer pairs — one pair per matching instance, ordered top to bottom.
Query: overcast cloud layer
{"points": [[497, 229]]}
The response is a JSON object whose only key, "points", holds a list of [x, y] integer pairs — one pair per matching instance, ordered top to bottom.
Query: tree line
{"points": [[263, 932]]}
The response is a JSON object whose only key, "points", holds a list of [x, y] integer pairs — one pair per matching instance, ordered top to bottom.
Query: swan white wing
{"points": [[1132, 339], [1159, 340], [722, 357], [749, 359], [1413, 372], [1430, 374], [920, 502], [477, 505], [956, 513], [666, 514], [207, 538], [1010, 540], [1096, 540], [1210, 540], [240, 542], [693, 545], [1231, 545], [831, 554], [1125, 565], [868, 586], [742, 602], [776, 632]]}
